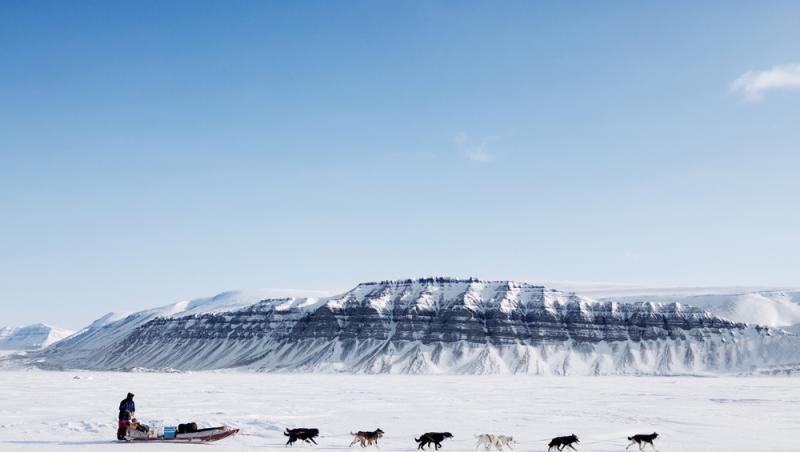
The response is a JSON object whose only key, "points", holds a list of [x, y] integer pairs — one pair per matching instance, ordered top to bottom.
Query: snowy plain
{"points": [[76, 411]]}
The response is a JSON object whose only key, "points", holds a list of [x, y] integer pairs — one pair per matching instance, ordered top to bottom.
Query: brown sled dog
{"points": [[366, 438]]}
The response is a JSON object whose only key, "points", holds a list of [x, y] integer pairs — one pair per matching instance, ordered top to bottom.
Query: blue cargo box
{"points": [[170, 432]]}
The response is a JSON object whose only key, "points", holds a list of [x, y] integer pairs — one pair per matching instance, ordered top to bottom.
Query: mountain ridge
{"points": [[431, 325]]}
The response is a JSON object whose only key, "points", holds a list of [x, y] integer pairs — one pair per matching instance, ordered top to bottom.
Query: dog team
{"points": [[487, 440]]}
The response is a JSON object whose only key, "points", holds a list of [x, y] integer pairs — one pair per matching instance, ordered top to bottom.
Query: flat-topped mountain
{"points": [[432, 325]]}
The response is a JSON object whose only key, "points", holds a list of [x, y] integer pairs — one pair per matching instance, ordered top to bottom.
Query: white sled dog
{"points": [[488, 440]]}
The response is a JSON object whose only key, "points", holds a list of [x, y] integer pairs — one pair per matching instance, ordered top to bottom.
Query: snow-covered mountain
{"points": [[768, 307], [434, 325], [31, 337], [94, 340]]}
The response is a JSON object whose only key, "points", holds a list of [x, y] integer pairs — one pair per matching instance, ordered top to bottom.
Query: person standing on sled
{"points": [[127, 411]]}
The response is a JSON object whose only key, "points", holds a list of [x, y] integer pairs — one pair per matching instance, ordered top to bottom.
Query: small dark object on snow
{"points": [[191, 427], [303, 434], [432, 437], [643, 440], [563, 442]]}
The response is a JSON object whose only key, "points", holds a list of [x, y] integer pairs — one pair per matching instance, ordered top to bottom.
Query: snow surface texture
{"points": [[429, 326], [31, 337], [54, 411]]}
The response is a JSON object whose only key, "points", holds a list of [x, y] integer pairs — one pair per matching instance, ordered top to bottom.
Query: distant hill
{"points": [[768, 307], [31, 337]]}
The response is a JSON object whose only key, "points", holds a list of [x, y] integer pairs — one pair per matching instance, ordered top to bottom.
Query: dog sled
{"points": [[184, 433]]}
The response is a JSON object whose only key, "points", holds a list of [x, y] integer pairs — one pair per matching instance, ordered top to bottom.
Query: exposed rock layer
{"points": [[436, 326]]}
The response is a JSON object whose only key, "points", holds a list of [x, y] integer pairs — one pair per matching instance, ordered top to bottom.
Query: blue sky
{"points": [[157, 151]]}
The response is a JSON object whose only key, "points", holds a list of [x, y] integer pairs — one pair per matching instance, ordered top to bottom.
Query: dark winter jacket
{"points": [[126, 407]]}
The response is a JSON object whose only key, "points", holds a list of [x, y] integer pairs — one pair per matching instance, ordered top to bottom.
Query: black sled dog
{"points": [[303, 434], [432, 437], [643, 440], [562, 442]]}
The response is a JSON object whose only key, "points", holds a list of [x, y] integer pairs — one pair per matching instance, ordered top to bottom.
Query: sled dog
{"points": [[303, 434], [432, 437], [366, 438], [489, 440], [643, 440], [562, 442]]}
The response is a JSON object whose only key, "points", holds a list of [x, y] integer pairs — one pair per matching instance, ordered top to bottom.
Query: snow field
{"points": [[54, 411]]}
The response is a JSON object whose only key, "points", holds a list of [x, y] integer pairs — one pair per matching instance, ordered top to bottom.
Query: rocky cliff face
{"points": [[438, 325]]}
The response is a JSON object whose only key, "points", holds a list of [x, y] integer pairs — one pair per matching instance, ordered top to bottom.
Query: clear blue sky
{"points": [[157, 151]]}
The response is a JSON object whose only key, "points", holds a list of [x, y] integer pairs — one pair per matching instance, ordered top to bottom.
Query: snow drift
{"points": [[427, 326]]}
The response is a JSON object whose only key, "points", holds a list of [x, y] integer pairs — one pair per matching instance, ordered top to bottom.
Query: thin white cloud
{"points": [[753, 84], [474, 152], [479, 154]]}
